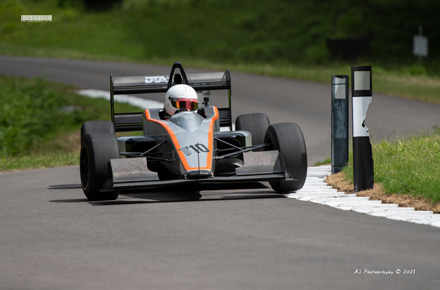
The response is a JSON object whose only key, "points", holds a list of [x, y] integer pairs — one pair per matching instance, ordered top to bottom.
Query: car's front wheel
{"points": [[288, 139], [96, 151]]}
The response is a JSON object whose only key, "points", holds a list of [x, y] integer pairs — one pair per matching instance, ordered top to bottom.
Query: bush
{"points": [[29, 112]]}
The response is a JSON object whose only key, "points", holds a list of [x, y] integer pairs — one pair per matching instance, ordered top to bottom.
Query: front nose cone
{"points": [[198, 174]]}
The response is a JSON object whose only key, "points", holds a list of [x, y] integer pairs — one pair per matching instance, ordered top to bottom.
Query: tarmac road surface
{"points": [[53, 238], [247, 238]]}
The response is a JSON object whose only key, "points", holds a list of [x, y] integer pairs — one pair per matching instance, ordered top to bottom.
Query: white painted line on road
{"points": [[134, 101], [317, 191]]}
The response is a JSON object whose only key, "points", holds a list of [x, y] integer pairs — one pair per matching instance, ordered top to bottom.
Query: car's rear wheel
{"points": [[255, 123], [91, 127], [289, 140], [96, 151]]}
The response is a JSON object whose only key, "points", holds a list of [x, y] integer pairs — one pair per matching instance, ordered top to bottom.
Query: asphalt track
{"points": [[248, 238]]}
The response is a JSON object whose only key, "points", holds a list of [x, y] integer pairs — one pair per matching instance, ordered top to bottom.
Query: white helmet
{"points": [[180, 97]]}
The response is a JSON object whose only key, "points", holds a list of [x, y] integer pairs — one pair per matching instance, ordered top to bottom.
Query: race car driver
{"points": [[180, 98]]}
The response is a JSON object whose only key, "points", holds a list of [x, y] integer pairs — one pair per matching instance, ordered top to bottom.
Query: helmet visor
{"points": [[184, 103]]}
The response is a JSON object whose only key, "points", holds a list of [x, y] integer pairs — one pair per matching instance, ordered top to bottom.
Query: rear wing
{"points": [[160, 84]]}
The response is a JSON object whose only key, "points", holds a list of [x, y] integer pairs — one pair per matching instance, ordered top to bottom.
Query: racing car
{"points": [[190, 144]]}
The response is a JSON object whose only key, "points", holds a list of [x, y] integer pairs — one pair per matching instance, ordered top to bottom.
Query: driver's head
{"points": [[182, 98]]}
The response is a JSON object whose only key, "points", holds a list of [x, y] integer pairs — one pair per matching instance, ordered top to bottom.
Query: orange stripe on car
{"points": [[176, 142]]}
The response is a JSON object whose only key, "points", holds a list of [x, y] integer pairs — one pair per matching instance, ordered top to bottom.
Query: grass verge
{"points": [[40, 122], [324, 162], [406, 172], [340, 182]]}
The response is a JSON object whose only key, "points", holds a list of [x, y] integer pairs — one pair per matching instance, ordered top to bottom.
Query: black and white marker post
{"points": [[362, 93], [339, 122]]}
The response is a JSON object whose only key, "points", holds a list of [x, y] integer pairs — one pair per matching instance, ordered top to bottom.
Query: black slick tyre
{"points": [[255, 123], [91, 127], [289, 140], [96, 151]]}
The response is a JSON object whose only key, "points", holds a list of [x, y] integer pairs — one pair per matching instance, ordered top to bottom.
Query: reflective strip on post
{"points": [[362, 93], [339, 122]]}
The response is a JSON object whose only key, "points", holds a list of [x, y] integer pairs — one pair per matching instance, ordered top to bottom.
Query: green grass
{"points": [[278, 38], [40, 122], [40, 160], [323, 162], [409, 166]]}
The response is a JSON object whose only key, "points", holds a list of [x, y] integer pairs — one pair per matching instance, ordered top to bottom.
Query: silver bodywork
{"points": [[191, 137], [189, 141]]}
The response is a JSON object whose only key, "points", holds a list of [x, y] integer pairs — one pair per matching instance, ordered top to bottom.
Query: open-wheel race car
{"points": [[183, 144]]}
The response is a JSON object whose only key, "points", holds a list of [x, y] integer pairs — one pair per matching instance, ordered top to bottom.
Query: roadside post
{"points": [[420, 45], [362, 94], [339, 122]]}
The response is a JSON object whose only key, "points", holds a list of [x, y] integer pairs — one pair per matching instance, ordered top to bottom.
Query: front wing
{"points": [[132, 173]]}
